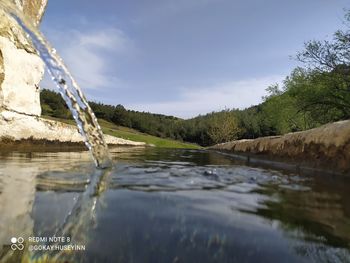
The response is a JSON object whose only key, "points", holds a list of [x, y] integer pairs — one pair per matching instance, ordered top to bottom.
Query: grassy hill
{"points": [[133, 135]]}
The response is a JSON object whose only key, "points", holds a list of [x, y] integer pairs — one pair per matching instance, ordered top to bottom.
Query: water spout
{"points": [[68, 87]]}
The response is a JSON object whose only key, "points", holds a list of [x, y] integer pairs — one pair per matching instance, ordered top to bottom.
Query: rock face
{"points": [[34, 9], [21, 69], [21, 75], [15, 127], [326, 147]]}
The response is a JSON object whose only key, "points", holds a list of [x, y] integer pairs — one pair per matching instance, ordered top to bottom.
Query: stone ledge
{"points": [[18, 128], [326, 147]]}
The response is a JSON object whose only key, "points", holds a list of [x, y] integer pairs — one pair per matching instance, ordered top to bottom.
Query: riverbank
{"points": [[17, 130], [20, 131], [134, 135], [325, 148]]}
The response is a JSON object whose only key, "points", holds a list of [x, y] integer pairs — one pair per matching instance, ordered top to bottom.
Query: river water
{"points": [[170, 205]]}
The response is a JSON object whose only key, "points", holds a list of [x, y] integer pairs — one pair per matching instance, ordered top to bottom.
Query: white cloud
{"points": [[109, 39], [88, 54], [195, 101]]}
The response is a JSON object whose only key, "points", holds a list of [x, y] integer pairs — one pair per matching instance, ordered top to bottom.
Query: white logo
{"points": [[17, 243]]}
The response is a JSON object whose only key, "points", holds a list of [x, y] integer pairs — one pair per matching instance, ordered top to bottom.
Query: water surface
{"points": [[167, 205]]}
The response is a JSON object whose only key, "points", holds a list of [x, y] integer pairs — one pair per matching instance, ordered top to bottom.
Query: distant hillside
{"points": [[131, 134]]}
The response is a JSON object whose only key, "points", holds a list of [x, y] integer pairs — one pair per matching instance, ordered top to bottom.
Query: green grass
{"points": [[134, 135]]}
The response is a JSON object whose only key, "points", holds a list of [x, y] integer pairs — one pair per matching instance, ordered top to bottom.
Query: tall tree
{"points": [[324, 86], [223, 127]]}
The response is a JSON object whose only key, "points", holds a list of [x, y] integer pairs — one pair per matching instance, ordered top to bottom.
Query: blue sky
{"points": [[184, 57]]}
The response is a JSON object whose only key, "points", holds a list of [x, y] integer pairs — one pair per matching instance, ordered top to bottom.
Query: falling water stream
{"points": [[68, 87], [86, 121]]}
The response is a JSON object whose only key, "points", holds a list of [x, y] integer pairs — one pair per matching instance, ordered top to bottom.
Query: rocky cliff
{"points": [[34, 9], [21, 69], [326, 147]]}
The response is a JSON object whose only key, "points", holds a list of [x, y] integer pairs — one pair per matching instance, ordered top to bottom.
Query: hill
{"points": [[134, 135]]}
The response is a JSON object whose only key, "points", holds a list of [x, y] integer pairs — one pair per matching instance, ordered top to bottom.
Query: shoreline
{"points": [[24, 130], [325, 148]]}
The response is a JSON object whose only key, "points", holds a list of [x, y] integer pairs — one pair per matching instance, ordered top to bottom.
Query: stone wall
{"points": [[325, 148]]}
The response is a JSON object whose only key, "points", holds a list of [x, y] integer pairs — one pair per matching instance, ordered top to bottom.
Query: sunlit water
{"points": [[67, 86], [163, 205]]}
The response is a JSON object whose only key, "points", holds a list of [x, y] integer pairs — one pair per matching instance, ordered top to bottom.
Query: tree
{"points": [[328, 55], [323, 88], [53, 105], [120, 116], [223, 127]]}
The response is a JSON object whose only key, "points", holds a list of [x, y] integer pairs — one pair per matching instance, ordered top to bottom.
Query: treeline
{"points": [[312, 95], [159, 125]]}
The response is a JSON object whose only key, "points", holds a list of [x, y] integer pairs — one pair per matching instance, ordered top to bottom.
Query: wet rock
{"points": [[34, 9], [10, 30]]}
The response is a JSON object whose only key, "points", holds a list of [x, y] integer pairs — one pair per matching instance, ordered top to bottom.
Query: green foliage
{"points": [[325, 83], [319, 96], [53, 105], [102, 111], [280, 112], [121, 116], [249, 120], [223, 127]]}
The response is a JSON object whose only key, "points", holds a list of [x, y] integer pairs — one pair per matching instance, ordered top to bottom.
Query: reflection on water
{"points": [[160, 205]]}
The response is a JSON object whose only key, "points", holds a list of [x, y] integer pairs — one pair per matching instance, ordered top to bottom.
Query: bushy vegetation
{"points": [[312, 95]]}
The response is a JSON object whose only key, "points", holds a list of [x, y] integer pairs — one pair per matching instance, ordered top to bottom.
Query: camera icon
{"points": [[17, 243]]}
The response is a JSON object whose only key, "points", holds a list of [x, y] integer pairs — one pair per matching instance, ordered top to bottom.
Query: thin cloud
{"points": [[108, 39], [88, 54], [195, 101]]}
